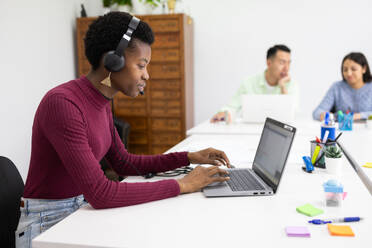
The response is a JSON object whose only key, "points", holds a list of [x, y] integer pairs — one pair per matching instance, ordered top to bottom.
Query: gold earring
{"points": [[107, 81]]}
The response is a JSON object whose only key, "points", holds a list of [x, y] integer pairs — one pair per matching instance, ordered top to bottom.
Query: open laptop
{"points": [[255, 108], [267, 168]]}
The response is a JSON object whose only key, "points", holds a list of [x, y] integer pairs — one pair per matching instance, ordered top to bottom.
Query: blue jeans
{"points": [[39, 215]]}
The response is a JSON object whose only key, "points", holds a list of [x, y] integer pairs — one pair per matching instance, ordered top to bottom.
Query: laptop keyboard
{"points": [[242, 180]]}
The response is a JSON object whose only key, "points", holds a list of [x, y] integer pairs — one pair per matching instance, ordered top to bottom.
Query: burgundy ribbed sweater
{"points": [[72, 132]]}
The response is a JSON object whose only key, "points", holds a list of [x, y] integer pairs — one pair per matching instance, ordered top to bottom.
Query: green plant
{"points": [[123, 2], [107, 3], [154, 3], [370, 117], [333, 152]]}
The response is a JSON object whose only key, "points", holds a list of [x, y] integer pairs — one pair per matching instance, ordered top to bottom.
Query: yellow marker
{"points": [[315, 154], [367, 165]]}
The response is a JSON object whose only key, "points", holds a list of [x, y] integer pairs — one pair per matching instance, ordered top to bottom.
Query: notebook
{"points": [[255, 108], [267, 168]]}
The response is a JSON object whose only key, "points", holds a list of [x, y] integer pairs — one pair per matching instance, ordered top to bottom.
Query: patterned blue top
{"points": [[344, 98]]}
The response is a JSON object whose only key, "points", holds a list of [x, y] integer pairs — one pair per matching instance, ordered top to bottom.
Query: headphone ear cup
{"points": [[113, 62]]}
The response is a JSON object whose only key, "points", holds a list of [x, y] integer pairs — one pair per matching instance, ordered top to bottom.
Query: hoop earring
{"points": [[107, 81]]}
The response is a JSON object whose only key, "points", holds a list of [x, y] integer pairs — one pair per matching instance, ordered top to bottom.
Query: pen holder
{"points": [[345, 122], [331, 130], [319, 158]]}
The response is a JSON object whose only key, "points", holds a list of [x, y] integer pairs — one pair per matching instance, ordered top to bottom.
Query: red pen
{"points": [[317, 139]]}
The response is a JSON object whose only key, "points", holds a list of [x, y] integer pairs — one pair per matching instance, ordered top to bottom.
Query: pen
{"points": [[325, 136], [335, 220]]}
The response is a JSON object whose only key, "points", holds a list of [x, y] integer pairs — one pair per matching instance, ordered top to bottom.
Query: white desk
{"points": [[304, 127], [221, 128], [191, 220]]}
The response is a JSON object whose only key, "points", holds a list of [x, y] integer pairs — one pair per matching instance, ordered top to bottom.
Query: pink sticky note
{"points": [[344, 195], [297, 231]]}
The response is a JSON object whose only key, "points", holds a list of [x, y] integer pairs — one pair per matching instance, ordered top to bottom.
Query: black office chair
{"points": [[123, 129], [11, 191]]}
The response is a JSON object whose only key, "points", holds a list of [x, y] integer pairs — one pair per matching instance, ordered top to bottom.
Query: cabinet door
{"points": [[166, 124]]}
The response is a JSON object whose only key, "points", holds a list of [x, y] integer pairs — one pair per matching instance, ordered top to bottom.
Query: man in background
{"points": [[274, 80]]}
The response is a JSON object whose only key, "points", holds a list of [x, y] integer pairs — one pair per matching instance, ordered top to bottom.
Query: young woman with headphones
{"points": [[73, 130]]}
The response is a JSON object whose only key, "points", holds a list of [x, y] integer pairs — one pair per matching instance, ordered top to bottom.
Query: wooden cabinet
{"points": [[160, 118]]}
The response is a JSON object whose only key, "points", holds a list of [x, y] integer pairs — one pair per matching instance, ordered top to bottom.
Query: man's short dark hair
{"points": [[105, 33], [273, 50]]}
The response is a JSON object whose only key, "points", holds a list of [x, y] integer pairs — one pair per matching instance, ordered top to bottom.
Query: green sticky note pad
{"points": [[309, 210]]}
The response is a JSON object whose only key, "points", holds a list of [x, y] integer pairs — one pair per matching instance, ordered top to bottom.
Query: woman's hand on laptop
{"points": [[221, 116], [209, 156], [200, 177]]}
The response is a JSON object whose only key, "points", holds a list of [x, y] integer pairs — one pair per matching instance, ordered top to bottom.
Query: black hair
{"points": [[104, 34], [273, 50], [360, 59]]}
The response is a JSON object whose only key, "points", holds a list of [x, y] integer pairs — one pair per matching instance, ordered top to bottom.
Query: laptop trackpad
{"points": [[216, 184]]}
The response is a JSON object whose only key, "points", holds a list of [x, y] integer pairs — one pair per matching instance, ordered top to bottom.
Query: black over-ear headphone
{"points": [[114, 61]]}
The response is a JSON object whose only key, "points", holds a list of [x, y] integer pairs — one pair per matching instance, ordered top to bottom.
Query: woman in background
{"points": [[353, 93]]}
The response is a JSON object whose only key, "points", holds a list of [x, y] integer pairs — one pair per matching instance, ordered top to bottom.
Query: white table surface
{"points": [[304, 127], [191, 220]]}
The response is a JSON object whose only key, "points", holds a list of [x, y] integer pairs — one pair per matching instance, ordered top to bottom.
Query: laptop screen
{"points": [[272, 152]]}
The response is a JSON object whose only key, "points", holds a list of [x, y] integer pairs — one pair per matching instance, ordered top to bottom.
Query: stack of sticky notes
{"points": [[367, 165], [309, 210], [338, 230], [297, 231]]}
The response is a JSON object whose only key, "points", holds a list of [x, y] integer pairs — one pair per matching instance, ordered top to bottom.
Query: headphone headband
{"points": [[124, 42], [114, 61]]}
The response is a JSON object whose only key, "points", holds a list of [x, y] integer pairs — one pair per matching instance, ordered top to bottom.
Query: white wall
{"points": [[232, 37], [37, 47]]}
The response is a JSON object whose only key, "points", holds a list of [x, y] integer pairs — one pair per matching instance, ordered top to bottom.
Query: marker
{"points": [[340, 114], [326, 118], [317, 139], [315, 154], [309, 166], [336, 220]]}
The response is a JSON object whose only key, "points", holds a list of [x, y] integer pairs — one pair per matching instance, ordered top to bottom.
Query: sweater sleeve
{"points": [[326, 104], [365, 115], [65, 128], [125, 163]]}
